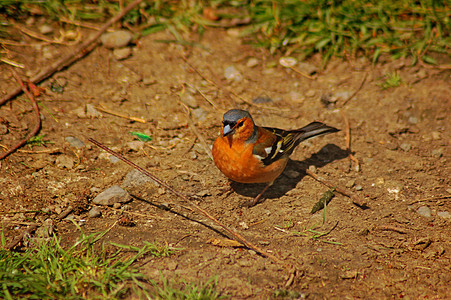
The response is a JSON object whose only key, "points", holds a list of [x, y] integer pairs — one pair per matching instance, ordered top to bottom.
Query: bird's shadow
{"points": [[283, 184]]}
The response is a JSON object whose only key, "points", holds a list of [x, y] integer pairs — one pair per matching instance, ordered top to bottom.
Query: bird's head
{"points": [[237, 124]]}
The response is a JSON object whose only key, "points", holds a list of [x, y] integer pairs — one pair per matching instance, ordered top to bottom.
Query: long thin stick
{"points": [[67, 60], [356, 91], [36, 128], [180, 195]]}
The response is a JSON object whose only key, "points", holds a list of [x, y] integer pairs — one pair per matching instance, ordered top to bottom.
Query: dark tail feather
{"points": [[313, 129]]}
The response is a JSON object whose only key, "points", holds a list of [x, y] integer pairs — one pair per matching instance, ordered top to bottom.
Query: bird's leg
{"points": [[254, 201]]}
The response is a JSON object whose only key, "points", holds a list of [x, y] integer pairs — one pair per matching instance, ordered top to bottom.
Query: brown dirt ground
{"points": [[400, 136]]}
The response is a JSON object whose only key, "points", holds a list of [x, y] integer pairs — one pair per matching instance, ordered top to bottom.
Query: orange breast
{"points": [[238, 163]]}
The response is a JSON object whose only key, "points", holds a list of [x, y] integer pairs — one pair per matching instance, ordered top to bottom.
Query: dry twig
{"points": [[70, 58], [356, 91], [105, 110], [36, 128], [193, 128], [348, 140], [185, 198], [393, 228]]}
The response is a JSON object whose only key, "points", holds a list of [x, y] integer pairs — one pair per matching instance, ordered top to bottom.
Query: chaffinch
{"points": [[247, 153]]}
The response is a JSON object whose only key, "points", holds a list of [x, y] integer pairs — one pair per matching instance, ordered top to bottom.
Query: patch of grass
{"points": [[330, 27], [350, 27], [391, 80], [38, 140], [48, 271], [204, 291]]}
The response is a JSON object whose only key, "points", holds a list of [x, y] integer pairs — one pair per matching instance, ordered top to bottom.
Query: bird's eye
{"points": [[239, 124]]}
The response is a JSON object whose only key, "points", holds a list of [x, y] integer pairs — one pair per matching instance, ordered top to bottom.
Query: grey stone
{"points": [[46, 29], [117, 39], [122, 53], [252, 62], [307, 68], [232, 74], [310, 93], [262, 99], [189, 100], [92, 112], [200, 114], [413, 120], [3, 129], [435, 135], [75, 142], [135, 145], [405, 146], [437, 153], [64, 161], [292, 174], [134, 178], [350, 183], [358, 188], [114, 194], [425, 211], [95, 212], [444, 214]]}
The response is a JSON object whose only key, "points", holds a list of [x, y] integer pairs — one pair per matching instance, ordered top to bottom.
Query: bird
{"points": [[247, 153]]}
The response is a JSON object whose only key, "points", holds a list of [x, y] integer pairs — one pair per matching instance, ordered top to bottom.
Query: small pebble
{"points": [[45, 29], [233, 32], [117, 39], [122, 53], [287, 61], [252, 62], [307, 68], [232, 74], [310, 93], [342, 94], [296, 97], [262, 99], [189, 100], [92, 112], [200, 114], [413, 120], [3, 129], [435, 135], [75, 142], [135, 145], [405, 146], [437, 153], [64, 161], [312, 168], [292, 174], [134, 178], [350, 183], [358, 188], [94, 189], [203, 193], [114, 194], [117, 205], [425, 211], [95, 212], [444, 214], [244, 225], [172, 265]]}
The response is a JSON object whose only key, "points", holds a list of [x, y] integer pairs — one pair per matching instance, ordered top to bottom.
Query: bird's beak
{"points": [[227, 130]]}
